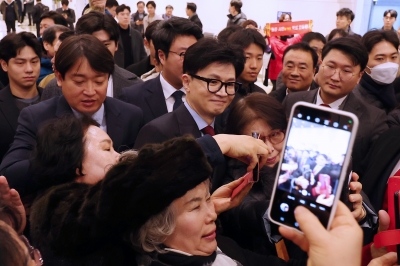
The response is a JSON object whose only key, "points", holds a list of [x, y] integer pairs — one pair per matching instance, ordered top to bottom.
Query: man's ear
{"points": [[146, 43], [46, 45], [116, 46], [162, 57], [4, 65], [360, 76], [59, 78], [186, 82]]}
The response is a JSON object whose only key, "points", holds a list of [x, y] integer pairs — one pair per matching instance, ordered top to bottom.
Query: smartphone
{"points": [[314, 163], [256, 170], [344, 197]]}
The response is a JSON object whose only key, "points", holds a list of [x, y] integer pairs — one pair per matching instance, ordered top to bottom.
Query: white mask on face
{"points": [[384, 73]]}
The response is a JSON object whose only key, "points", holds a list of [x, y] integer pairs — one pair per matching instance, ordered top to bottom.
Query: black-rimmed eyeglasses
{"points": [[215, 85]]}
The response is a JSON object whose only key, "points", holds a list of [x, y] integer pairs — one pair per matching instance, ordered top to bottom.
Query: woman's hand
{"points": [[222, 196], [10, 197], [359, 212], [384, 221], [389, 259]]}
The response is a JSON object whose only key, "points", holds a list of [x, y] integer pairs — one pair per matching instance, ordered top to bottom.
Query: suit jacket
{"points": [[71, 17], [196, 20], [137, 48], [141, 67], [121, 79], [280, 93], [148, 96], [8, 119], [372, 121], [123, 124]]}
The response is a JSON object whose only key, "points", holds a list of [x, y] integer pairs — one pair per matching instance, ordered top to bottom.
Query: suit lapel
{"points": [[119, 81], [310, 97], [155, 98], [352, 105], [8, 107], [186, 122], [114, 123]]}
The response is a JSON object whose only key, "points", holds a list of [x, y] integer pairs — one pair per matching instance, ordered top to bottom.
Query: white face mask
{"points": [[384, 73]]}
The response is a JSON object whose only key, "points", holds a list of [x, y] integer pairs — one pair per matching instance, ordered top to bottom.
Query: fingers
{"points": [[262, 152], [354, 177], [232, 185], [355, 186], [4, 189], [242, 194], [15, 198], [356, 199], [343, 216], [384, 221], [295, 236], [388, 259]]}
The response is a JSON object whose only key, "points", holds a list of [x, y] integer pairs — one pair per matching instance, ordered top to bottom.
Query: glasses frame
{"points": [[181, 55], [334, 72], [238, 85], [265, 138], [34, 253]]}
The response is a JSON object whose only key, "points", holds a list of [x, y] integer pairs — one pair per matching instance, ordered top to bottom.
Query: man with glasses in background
{"points": [[343, 64]]}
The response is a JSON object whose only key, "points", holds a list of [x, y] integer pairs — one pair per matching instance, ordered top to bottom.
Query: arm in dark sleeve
{"points": [[149, 134], [211, 149]]}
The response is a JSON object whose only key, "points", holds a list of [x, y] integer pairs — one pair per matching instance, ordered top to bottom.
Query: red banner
{"points": [[288, 28]]}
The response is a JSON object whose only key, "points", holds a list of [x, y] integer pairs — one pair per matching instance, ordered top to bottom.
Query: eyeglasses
{"points": [[181, 55], [344, 75], [215, 85], [275, 137], [33, 253]]}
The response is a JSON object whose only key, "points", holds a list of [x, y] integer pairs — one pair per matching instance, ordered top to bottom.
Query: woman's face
{"points": [[286, 18], [260, 126], [99, 155], [195, 223]]}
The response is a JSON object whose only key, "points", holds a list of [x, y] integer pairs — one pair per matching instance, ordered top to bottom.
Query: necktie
{"points": [[178, 98], [326, 105], [208, 130], [397, 173]]}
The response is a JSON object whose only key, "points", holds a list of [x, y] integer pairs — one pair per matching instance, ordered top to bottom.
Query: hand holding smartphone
{"points": [[318, 146]]}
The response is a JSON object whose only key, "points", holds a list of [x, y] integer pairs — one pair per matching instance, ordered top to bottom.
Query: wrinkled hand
{"points": [[244, 148], [222, 196], [10, 197], [359, 212], [384, 221], [341, 245], [389, 259]]}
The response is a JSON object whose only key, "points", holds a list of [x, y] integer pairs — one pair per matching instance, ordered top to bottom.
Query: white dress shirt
{"points": [[110, 87], [168, 90], [335, 105], [99, 117]]}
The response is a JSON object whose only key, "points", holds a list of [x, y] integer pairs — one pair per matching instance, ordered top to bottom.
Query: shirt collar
{"points": [[168, 90], [287, 90], [335, 105], [98, 116], [197, 118]]}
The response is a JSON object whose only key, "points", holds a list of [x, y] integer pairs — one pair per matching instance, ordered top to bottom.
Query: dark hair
{"points": [[65, 2], [140, 2], [111, 3], [152, 3], [237, 4], [169, 6], [191, 6], [122, 8], [346, 12], [392, 12], [283, 15], [57, 18], [96, 21], [249, 22], [150, 29], [167, 31], [341, 32], [49, 34], [65, 35], [223, 36], [309, 36], [246, 37], [371, 38], [12, 44], [85, 46], [302, 46], [352, 48], [213, 51], [253, 107], [60, 150], [8, 213], [11, 252]]}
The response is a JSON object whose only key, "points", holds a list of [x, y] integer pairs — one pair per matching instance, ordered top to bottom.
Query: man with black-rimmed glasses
{"points": [[210, 85]]}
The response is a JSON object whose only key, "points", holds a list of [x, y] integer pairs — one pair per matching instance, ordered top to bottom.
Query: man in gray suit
{"points": [[104, 28], [343, 63]]}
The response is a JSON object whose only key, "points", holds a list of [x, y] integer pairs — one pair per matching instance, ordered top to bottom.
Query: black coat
{"points": [[196, 20], [137, 47], [141, 67], [280, 93], [123, 124]]}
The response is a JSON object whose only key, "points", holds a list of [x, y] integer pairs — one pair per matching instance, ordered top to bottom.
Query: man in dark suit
{"points": [[68, 13], [192, 15], [104, 28], [171, 40], [130, 43], [20, 59], [343, 63], [299, 65], [82, 69]]}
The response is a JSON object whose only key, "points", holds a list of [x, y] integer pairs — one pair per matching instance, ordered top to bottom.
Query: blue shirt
{"points": [[197, 118]]}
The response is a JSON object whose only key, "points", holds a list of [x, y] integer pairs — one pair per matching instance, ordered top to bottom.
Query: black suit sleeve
{"points": [[150, 133], [211, 149]]}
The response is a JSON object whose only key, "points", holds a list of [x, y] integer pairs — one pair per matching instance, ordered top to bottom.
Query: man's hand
{"points": [[244, 148], [222, 196], [10, 197], [359, 212], [384, 221], [341, 245]]}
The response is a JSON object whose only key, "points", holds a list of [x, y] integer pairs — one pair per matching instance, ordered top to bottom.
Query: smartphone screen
{"points": [[314, 163]]}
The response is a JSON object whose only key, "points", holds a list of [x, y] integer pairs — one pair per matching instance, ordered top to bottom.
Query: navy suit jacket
{"points": [[148, 96], [124, 122]]}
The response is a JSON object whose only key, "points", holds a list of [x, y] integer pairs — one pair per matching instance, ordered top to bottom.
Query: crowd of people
{"points": [[124, 135]]}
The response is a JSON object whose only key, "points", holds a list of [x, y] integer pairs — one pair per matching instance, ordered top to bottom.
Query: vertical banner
{"points": [[288, 28]]}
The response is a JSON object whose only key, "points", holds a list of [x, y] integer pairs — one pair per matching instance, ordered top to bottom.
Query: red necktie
{"points": [[326, 105], [208, 130], [397, 173]]}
